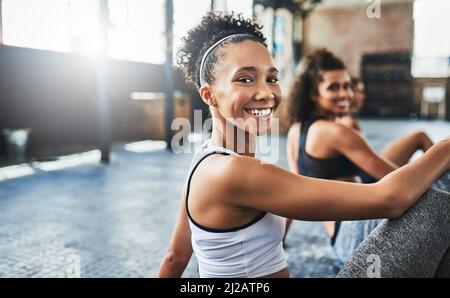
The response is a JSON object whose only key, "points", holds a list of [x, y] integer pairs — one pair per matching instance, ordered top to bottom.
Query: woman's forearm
{"points": [[412, 180], [172, 266]]}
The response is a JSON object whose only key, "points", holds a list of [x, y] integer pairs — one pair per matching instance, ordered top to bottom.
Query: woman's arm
{"points": [[349, 121], [293, 140], [351, 144], [292, 147], [246, 182], [180, 249]]}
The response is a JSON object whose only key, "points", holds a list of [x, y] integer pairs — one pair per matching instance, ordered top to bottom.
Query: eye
{"points": [[245, 80], [273, 80], [347, 86], [333, 87]]}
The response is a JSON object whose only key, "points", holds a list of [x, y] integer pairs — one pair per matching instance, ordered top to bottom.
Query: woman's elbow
{"points": [[377, 169], [395, 202], [395, 210], [171, 257], [178, 257], [173, 264]]}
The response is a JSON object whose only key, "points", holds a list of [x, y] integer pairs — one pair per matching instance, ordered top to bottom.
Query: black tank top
{"points": [[327, 168]]}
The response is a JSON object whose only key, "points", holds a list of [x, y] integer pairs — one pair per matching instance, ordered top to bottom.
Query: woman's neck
{"points": [[325, 114], [233, 138]]}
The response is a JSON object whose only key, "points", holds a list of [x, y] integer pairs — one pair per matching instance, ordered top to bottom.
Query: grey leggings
{"points": [[415, 245]]}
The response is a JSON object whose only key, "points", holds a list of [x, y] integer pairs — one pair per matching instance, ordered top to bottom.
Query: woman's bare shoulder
{"points": [[349, 121], [295, 126], [327, 127], [294, 131], [225, 173]]}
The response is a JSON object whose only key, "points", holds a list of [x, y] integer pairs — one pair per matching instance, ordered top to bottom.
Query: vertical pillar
{"points": [[1, 23], [168, 78], [102, 85], [447, 100]]}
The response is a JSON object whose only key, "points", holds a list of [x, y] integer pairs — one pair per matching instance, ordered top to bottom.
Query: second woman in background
{"points": [[324, 140]]}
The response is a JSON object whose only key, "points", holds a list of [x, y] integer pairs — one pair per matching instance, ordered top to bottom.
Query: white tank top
{"points": [[251, 250]]}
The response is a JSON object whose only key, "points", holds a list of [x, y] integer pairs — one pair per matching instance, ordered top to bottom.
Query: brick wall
{"points": [[349, 33]]}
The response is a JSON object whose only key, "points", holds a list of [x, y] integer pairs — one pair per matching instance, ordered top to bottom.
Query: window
{"points": [[237, 6], [241, 6], [183, 21], [58, 25], [136, 29], [431, 38]]}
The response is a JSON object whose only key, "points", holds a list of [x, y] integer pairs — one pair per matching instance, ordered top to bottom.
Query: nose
{"points": [[264, 92], [344, 92]]}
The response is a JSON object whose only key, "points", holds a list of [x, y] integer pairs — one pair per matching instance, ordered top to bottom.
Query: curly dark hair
{"points": [[212, 28], [300, 103]]}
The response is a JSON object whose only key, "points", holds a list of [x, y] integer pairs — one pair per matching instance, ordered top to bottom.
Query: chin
{"points": [[342, 112], [255, 127], [257, 131], [261, 133]]}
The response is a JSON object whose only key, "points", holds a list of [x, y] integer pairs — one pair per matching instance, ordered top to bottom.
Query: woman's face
{"points": [[245, 91], [334, 93], [358, 99]]}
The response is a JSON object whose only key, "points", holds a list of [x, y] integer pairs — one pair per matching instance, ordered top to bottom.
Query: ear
{"points": [[206, 95]]}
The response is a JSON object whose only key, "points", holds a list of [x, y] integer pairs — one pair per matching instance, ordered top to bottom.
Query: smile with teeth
{"points": [[344, 103], [259, 112]]}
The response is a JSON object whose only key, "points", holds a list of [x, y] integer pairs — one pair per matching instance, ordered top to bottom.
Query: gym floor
{"points": [[117, 219]]}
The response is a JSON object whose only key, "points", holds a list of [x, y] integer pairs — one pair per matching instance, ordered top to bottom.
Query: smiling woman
{"points": [[246, 89], [322, 145], [233, 206]]}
